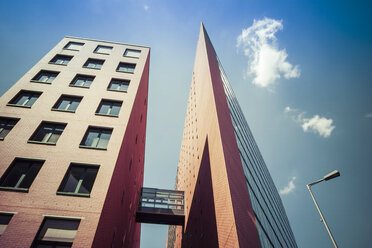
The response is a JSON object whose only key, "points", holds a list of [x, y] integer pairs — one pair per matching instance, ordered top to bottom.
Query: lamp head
{"points": [[331, 175]]}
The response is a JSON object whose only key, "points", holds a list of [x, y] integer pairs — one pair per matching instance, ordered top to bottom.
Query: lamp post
{"points": [[327, 177]]}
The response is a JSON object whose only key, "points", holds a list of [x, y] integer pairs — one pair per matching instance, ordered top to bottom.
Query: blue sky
{"points": [[329, 41]]}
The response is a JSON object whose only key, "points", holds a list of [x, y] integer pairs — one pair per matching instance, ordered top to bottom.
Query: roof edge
{"points": [[105, 41]]}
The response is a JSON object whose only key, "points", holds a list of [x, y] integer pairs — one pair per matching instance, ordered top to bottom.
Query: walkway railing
{"points": [[161, 206]]}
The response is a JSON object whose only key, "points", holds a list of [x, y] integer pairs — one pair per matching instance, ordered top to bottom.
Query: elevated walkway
{"points": [[161, 206]]}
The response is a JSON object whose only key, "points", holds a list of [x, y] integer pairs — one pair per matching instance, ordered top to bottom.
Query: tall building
{"points": [[72, 142], [231, 200]]}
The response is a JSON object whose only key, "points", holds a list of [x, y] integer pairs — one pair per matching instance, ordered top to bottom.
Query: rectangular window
{"points": [[74, 46], [103, 49], [132, 53], [61, 59], [94, 63], [126, 67], [45, 76], [82, 81], [119, 85], [25, 98], [67, 103], [107, 107], [6, 124], [48, 133], [96, 137], [20, 174], [78, 180], [4, 221], [56, 233]]}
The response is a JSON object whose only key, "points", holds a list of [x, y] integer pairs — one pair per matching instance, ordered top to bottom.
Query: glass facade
{"points": [[272, 223]]}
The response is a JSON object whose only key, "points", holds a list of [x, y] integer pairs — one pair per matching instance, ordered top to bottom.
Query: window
{"points": [[74, 46], [103, 49], [132, 53], [61, 59], [94, 63], [126, 67], [45, 76], [82, 81], [119, 85], [25, 98], [67, 103], [107, 107], [6, 124], [48, 133], [96, 138], [20, 174], [78, 180], [4, 221], [56, 233]]}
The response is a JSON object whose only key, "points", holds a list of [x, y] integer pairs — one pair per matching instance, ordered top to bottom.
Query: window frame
{"points": [[81, 44], [102, 46], [131, 49], [55, 58], [93, 59], [131, 72], [82, 76], [35, 80], [123, 81], [18, 97], [61, 98], [111, 102], [7, 120], [44, 124], [101, 130], [31, 162], [81, 180], [5, 214], [39, 241]]}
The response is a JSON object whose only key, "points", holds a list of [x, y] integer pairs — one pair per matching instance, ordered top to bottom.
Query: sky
{"points": [[301, 71]]}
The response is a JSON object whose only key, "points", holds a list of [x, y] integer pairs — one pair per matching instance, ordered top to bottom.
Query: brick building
{"points": [[72, 142], [231, 200]]}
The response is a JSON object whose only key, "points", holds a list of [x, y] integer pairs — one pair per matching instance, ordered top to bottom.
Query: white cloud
{"points": [[146, 7], [266, 62], [288, 109], [368, 115], [320, 125], [289, 188]]}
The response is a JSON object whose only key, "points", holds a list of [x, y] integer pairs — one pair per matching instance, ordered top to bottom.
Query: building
{"points": [[72, 145], [231, 200]]}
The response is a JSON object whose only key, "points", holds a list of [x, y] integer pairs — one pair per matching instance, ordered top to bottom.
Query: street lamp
{"points": [[327, 177]]}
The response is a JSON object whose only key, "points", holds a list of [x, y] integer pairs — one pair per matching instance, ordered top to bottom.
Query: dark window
{"points": [[74, 46], [103, 49], [132, 53], [61, 59], [94, 63], [126, 67], [45, 76], [82, 81], [119, 85], [25, 98], [67, 103], [107, 107], [6, 124], [48, 133], [96, 138], [20, 174], [78, 180], [4, 221], [56, 233]]}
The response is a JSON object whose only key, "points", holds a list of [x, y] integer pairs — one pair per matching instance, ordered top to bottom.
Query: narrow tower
{"points": [[72, 143], [231, 200]]}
